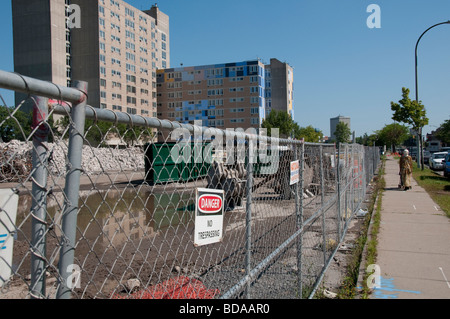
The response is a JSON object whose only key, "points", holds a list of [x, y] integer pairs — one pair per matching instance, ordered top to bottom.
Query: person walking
{"points": [[405, 170]]}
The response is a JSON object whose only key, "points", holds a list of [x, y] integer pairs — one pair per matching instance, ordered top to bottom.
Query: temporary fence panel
{"points": [[103, 204]]}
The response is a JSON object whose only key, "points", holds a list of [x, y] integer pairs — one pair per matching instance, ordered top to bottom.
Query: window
{"points": [[129, 12], [129, 23], [130, 35], [115, 38], [130, 46], [114, 49], [131, 56], [115, 61], [130, 67], [253, 68], [131, 78], [131, 89], [215, 92], [254, 99], [131, 100], [131, 110]]}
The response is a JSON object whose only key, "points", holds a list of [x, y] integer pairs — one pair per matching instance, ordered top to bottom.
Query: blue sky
{"points": [[341, 67]]}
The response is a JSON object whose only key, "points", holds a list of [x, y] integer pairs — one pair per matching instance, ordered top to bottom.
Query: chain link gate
{"points": [[88, 218]]}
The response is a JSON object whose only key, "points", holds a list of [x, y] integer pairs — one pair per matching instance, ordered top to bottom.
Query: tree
{"points": [[411, 112], [281, 120], [14, 125], [443, 132], [309, 133], [342, 133], [393, 134]]}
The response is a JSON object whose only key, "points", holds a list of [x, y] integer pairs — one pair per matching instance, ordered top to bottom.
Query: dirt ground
{"points": [[168, 250]]}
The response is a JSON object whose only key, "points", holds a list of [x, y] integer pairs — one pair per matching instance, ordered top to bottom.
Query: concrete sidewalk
{"points": [[413, 243]]}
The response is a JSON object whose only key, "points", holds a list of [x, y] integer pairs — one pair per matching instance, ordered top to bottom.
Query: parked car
{"points": [[413, 153], [426, 157], [437, 160], [447, 165]]}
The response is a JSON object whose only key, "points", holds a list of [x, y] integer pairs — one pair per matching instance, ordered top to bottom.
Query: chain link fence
{"points": [[102, 204]]}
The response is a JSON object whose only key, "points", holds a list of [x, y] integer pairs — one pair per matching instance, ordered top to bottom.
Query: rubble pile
{"points": [[16, 159]]}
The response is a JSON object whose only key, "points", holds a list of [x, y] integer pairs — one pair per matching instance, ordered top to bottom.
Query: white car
{"points": [[437, 160]]}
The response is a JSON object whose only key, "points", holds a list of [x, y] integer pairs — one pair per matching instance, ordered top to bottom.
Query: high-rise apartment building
{"points": [[41, 40], [115, 47], [118, 50], [228, 95]]}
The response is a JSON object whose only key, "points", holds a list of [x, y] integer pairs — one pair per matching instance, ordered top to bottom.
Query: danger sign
{"points": [[295, 173], [210, 204], [209, 210]]}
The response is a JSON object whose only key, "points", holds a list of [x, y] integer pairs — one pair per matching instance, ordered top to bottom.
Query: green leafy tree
{"points": [[410, 112], [281, 120], [14, 126], [443, 132], [309, 133], [342, 133], [394, 134], [369, 140]]}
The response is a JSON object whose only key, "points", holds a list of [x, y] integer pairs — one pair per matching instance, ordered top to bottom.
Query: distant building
{"points": [[279, 87], [227, 95], [334, 122]]}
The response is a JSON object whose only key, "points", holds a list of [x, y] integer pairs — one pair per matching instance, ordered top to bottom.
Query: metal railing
{"points": [[103, 204]]}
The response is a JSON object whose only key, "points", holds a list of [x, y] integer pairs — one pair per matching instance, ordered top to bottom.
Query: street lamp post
{"points": [[419, 140]]}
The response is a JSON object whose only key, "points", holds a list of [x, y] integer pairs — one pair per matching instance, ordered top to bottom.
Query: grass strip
{"points": [[437, 186]]}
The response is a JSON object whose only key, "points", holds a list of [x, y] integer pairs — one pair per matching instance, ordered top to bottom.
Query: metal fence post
{"points": [[338, 177], [71, 190], [322, 191], [39, 197], [299, 212], [248, 220]]}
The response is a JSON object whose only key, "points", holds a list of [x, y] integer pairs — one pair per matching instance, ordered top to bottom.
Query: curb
{"points": [[363, 266]]}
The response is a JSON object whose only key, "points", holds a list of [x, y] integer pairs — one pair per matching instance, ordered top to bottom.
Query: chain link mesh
{"points": [[136, 210]]}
